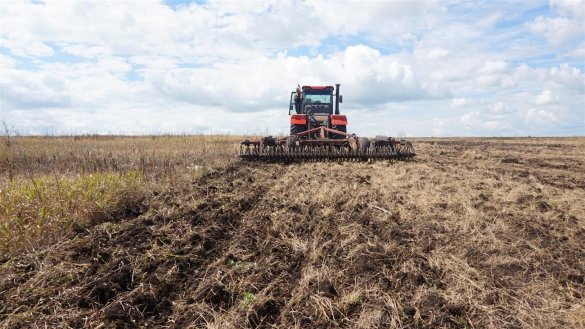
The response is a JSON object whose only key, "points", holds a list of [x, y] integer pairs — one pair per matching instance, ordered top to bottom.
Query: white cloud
{"points": [[574, 8], [379, 18], [122, 28], [560, 29], [557, 30], [27, 48], [86, 51], [579, 52], [436, 53], [7, 61], [132, 65], [493, 67], [568, 76], [367, 77], [495, 80], [32, 90], [545, 98], [460, 102], [498, 107], [539, 117], [469, 119], [478, 123], [491, 125], [438, 126]]}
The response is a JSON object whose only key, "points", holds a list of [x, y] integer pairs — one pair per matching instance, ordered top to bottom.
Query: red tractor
{"points": [[312, 107], [318, 131]]}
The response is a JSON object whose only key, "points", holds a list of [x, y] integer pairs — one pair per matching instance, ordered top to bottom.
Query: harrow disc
{"points": [[287, 152]]}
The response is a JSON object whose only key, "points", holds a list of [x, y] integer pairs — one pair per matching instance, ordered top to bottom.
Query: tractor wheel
{"points": [[295, 129], [343, 129], [363, 144]]}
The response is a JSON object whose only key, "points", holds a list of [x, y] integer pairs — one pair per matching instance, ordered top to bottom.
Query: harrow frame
{"points": [[314, 145]]}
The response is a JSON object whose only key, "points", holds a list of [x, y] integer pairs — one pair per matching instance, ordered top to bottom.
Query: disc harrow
{"points": [[270, 149]]}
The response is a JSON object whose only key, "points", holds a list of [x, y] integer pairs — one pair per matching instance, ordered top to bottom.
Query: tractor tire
{"points": [[339, 128], [295, 129], [363, 144]]}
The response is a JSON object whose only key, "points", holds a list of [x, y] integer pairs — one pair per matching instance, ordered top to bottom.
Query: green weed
{"points": [[247, 299]]}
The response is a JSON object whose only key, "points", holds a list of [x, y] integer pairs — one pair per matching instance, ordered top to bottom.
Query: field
{"points": [[175, 232]]}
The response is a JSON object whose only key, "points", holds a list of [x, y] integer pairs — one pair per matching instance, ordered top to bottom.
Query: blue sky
{"points": [[414, 68]]}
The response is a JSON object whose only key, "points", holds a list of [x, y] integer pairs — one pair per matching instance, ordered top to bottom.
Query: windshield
{"points": [[324, 98], [317, 102]]}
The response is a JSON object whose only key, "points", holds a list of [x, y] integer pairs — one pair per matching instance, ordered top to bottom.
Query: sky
{"points": [[406, 68]]}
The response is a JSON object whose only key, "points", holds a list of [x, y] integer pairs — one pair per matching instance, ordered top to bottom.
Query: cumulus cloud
{"points": [[574, 8], [379, 18], [123, 28], [557, 30], [579, 51], [6, 61], [404, 66], [493, 67], [366, 75], [570, 77], [545, 98], [460, 102], [498, 107], [539, 117], [470, 119], [491, 125]]}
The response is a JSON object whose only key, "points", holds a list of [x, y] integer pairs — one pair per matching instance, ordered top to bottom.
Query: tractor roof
{"points": [[318, 88]]}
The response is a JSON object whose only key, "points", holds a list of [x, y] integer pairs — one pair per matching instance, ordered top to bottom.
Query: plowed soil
{"points": [[471, 234]]}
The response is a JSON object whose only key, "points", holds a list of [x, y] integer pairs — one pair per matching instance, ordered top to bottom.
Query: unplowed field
{"points": [[471, 234]]}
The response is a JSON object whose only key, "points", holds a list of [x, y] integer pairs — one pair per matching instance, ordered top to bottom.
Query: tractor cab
{"points": [[313, 100], [317, 100]]}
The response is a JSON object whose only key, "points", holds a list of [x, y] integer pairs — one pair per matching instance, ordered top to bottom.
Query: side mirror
{"points": [[341, 98]]}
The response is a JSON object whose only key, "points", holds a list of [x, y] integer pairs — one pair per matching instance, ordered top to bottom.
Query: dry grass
{"points": [[155, 156], [52, 183], [34, 212], [475, 233]]}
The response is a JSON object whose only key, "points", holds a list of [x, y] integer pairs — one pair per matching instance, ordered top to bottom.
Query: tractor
{"points": [[319, 132]]}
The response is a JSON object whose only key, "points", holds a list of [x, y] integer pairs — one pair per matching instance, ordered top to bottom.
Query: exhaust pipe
{"points": [[337, 98]]}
